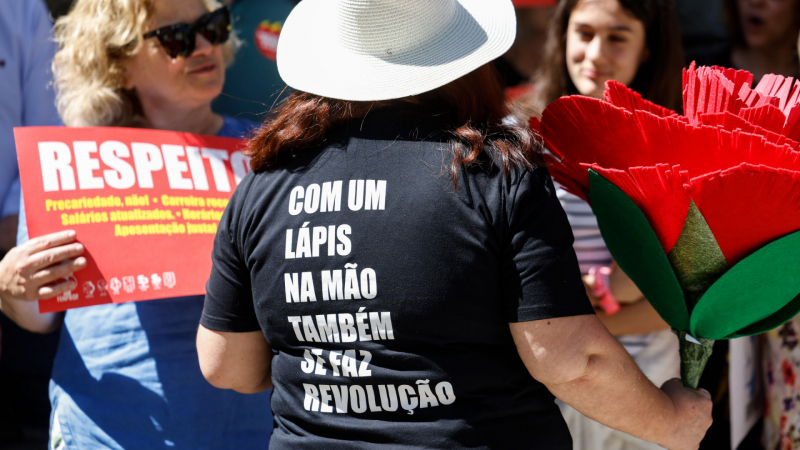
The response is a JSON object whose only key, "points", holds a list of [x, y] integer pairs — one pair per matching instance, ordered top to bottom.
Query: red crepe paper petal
{"points": [[737, 77], [765, 85], [709, 90], [784, 92], [619, 95], [748, 96], [752, 98], [793, 98], [767, 100], [791, 110], [767, 117], [730, 122], [535, 124], [578, 126], [792, 128], [589, 131], [593, 131], [725, 149], [570, 185], [657, 191], [748, 206]]}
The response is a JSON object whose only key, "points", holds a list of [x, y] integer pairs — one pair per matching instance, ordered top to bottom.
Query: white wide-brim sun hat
{"points": [[370, 50]]}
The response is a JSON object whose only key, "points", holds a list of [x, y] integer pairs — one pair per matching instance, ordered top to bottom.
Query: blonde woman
{"points": [[126, 376]]}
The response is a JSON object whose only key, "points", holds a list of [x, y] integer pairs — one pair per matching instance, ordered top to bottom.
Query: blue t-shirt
{"points": [[26, 51], [126, 376]]}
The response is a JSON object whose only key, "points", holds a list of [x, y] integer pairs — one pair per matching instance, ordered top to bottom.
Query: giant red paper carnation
{"points": [[735, 153], [718, 189]]}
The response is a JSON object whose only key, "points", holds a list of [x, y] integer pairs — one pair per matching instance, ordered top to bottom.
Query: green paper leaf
{"points": [[636, 249], [696, 257], [757, 294], [774, 321]]}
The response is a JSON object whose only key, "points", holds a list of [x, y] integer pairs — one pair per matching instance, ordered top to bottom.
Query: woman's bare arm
{"points": [[621, 285], [633, 318], [238, 361], [583, 365]]}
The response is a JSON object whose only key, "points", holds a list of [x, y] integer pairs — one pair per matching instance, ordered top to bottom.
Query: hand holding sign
{"points": [[145, 204], [40, 267]]}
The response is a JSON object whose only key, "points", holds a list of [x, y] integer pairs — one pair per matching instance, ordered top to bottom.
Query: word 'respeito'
{"points": [[185, 166]]}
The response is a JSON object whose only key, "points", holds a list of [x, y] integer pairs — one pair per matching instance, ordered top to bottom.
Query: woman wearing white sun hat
{"points": [[397, 263]]}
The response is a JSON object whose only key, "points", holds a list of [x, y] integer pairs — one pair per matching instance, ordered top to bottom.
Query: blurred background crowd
{"points": [[760, 36]]}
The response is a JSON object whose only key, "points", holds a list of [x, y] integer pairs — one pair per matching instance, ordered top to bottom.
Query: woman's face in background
{"points": [[767, 23], [604, 42], [185, 82]]}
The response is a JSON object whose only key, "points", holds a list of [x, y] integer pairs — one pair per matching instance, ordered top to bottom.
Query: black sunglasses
{"points": [[179, 39]]}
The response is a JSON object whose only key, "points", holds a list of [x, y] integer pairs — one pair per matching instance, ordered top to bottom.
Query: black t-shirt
{"points": [[386, 294]]}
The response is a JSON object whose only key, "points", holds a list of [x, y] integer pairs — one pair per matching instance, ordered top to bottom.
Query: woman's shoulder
{"points": [[237, 127]]}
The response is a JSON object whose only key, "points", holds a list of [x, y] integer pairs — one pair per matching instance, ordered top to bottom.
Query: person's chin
{"points": [[756, 40], [208, 86], [590, 88], [205, 93]]}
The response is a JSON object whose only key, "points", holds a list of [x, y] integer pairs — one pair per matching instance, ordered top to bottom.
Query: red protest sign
{"points": [[144, 203]]}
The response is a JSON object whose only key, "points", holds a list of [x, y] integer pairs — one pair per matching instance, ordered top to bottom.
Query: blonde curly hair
{"points": [[95, 40]]}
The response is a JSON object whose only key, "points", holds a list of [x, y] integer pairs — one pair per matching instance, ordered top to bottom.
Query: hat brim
{"points": [[312, 59]]}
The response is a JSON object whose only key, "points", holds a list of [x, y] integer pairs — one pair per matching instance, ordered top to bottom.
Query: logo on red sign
{"points": [[266, 38]]}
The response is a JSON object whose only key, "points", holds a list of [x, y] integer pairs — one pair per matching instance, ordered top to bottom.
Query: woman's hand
{"points": [[38, 268], [692, 415]]}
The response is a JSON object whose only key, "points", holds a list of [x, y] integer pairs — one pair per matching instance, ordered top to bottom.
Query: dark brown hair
{"points": [[730, 13], [658, 79], [473, 105]]}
